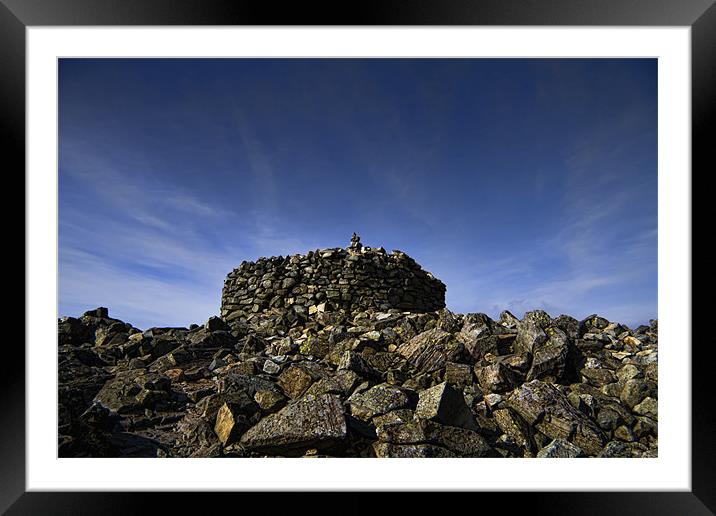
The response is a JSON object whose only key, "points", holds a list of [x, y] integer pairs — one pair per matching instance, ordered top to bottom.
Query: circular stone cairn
{"points": [[355, 278]]}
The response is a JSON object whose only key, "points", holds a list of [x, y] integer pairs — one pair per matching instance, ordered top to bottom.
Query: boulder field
{"points": [[338, 354], [363, 384]]}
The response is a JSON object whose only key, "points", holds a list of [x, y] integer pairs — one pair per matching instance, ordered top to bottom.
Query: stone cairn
{"points": [[353, 279], [352, 353]]}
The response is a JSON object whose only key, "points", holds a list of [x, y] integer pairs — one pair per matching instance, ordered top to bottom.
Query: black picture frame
{"points": [[700, 15]]}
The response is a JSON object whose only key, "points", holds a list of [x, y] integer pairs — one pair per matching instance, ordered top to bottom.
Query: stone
{"points": [[100, 312], [216, 324], [530, 331], [430, 350], [549, 357], [351, 361], [271, 367], [628, 372], [175, 375], [458, 375], [597, 377], [495, 378], [295, 380], [634, 391], [378, 400], [269, 401], [493, 401], [445, 405], [648, 407], [548, 410], [231, 422], [313, 422], [515, 428], [624, 433], [460, 441], [560, 449], [410, 451]]}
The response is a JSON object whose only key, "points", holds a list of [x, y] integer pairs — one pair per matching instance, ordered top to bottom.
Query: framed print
{"points": [[213, 191]]}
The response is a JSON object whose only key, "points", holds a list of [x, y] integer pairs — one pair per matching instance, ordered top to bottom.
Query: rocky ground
{"points": [[367, 384]]}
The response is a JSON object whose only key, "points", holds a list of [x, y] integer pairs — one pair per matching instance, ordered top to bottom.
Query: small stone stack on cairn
{"points": [[318, 356]]}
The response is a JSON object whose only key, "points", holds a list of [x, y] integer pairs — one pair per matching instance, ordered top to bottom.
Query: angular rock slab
{"points": [[530, 331], [430, 350], [550, 358], [378, 400], [445, 405], [543, 406], [310, 422], [230, 423], [560, 449]]}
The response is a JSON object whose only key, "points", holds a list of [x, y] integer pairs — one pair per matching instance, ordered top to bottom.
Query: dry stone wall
{"points": [[354, 278]]}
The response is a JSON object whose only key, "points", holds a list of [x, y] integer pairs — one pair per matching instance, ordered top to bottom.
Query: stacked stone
{"points": [[356, 278]]}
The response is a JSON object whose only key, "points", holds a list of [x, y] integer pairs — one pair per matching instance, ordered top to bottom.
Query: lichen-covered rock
{"points": [[350, 279], [531, 331], [430, 350], [549, 357], [351, 361], [458, 375], [495, 377], [295, 381], [635, 390], [378, 400], [445, 405], [648, 407], [545, 408], [311, 422], [515, 428], [460, 441], [560, 449], [410, 451]]}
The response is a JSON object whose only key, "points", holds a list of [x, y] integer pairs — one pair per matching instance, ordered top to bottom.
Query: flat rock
{"points": [[378, 400], [311, 422]]}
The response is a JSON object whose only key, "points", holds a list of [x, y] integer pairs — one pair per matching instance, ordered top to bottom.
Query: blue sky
{"points": [[520, 183]]}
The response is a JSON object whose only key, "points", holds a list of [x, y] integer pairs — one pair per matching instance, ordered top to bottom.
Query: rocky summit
{"points": [[352, 353]]}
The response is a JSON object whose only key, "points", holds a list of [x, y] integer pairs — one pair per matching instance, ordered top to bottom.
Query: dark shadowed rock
{"points": [[216, 324]]}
